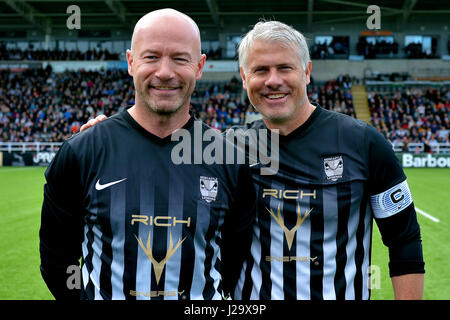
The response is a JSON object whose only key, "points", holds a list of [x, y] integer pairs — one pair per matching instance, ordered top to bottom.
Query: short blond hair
{"points": [[274, 31]]}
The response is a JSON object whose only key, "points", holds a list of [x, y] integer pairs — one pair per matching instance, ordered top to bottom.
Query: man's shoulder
{"points": [[342, 120], [346, 130]]}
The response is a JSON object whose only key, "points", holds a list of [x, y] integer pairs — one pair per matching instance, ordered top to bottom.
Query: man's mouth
{"points": [[163, 88], [275, 96]]}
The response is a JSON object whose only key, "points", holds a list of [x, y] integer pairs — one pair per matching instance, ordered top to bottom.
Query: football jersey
{"points": [[145, 227], [313, 230]]}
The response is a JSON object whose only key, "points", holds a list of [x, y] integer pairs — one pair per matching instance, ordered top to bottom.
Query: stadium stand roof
{"points": [[213, 16]]}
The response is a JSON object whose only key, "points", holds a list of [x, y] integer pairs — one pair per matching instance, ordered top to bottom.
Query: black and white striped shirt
{"points": [[145, 227], [313, 230]]}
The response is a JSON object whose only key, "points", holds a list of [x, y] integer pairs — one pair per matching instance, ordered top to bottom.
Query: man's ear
{"points": [[130, 61], [201, 65], [241, 71], [308, 72]]}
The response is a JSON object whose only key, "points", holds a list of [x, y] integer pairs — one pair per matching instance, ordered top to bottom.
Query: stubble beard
{"points": [[165, 111], [287, 116]]}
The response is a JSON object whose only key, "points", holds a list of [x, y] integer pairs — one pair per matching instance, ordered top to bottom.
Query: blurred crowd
{"points": [[338, 46], [370, 50], [416, 51], [213, 54], [66, 55], [73, 55], [334, 95], [221, 104], [40, 105], [415, 114]]}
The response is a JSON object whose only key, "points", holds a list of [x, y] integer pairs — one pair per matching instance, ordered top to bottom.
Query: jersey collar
{"points": [[150, 135]]}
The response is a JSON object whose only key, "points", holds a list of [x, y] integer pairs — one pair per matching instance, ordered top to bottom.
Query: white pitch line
{"points": [[427, 215]]}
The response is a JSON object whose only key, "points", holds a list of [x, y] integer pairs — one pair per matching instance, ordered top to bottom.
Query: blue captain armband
{"points": [[392, 201]]}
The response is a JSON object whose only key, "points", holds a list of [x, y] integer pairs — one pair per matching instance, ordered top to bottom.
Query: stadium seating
{"points": [[32, 54], [40, 55], [334, 95], [39, 105], [42, 106], [414, 119]]}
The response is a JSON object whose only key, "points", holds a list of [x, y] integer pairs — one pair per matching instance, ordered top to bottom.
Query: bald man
{"points": [[165, 61], [144, 227]]}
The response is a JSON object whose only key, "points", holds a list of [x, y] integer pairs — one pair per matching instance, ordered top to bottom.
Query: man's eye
{"points": [[260, 70]]}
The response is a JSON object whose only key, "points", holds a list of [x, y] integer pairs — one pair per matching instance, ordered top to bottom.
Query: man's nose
{"points": [[165, 70], [273, 79]]}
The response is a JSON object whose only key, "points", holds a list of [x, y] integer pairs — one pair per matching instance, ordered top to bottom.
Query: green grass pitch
{"points": [[21, 192]]}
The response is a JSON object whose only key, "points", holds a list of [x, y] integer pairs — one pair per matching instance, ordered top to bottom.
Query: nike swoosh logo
{"points": [[255, 164], [99, 186]]}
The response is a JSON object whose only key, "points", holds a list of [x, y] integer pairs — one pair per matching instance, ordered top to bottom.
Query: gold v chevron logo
{"points": [[289, 233], [158, 267]]}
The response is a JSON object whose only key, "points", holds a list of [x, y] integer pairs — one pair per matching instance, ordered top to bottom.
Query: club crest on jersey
{"points": [[334, 167], [208, 188]]}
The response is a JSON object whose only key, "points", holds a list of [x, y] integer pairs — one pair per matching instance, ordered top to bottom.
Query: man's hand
{"points": [[92, 122]]}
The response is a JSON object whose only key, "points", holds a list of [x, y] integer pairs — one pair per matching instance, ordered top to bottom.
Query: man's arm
{"points": [[395, 215], [60, 234], [401, 234], [408, 286]]}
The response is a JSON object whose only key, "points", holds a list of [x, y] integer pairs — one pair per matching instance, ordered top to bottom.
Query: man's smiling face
{"points": [[165, 63], [275, 80]]}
